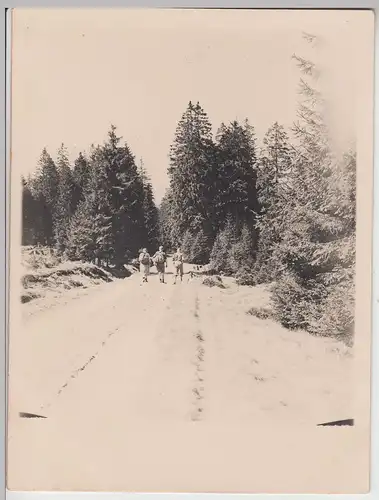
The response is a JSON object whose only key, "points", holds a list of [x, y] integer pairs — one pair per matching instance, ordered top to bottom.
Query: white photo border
{"points": [[5, 39]]}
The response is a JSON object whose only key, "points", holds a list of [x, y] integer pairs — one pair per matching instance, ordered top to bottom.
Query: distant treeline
{"points": [[100, 210], [281, 214]]}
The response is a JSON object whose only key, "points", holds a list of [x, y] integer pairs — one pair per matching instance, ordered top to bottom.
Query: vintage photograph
{"points": [[190, 250]]}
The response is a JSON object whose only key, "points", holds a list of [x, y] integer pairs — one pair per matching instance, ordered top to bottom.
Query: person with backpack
{"points": [[159, 259], [144, 260], [178, 264]]}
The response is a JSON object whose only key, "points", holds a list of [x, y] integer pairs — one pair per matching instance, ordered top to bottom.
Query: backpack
{"points": [[159, 258], [145, 259], [178, 259]]}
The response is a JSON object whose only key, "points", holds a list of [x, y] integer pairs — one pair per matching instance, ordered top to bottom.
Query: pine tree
{"points": [[274, 166], [193, 173], [237, 174], [81, 175], [44, 188], [274, 191], [126, 197], [65, 199], [99, 206], [150, 210], [112, 211], [31, 218], [318, 225], [91, 233], [168, 234], [81, 238], [225, 239], [186, 245], [200, 248], [242, 252], [337, 254], [300, 290]]}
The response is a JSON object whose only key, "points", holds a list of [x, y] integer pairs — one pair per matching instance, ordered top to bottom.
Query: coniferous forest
{"points": [[281, 214]]}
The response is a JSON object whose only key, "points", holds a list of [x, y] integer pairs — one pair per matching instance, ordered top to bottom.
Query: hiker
{"points": [[160, 259], [144, 260], [178, 264]]}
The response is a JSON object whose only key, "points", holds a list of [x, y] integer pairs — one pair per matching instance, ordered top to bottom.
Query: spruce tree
{"points": [[274, 166], [193, 173], [81, 174], [237, 174], [45, 190], [126, 191], [274, 191], [65, 199], [112, 210], [150, 211], [31, 218], [318, 224], [167, 228], [90, 234], [81, 238], [225, 239], [186, 245], [200, 248], [242, 252], [337, 254], [300, 290]]}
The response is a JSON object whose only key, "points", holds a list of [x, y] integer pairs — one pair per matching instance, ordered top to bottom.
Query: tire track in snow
{"points": [[77, 372], [198, 390]]}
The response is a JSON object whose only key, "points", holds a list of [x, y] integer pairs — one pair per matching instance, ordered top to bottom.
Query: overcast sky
{"points": [[76, 71]]}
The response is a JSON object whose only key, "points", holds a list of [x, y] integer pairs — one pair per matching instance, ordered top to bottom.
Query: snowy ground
{"points": [[175, 388]]}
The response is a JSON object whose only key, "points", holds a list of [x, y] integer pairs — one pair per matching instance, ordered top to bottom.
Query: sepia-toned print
{"points": [[190, 246]]}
